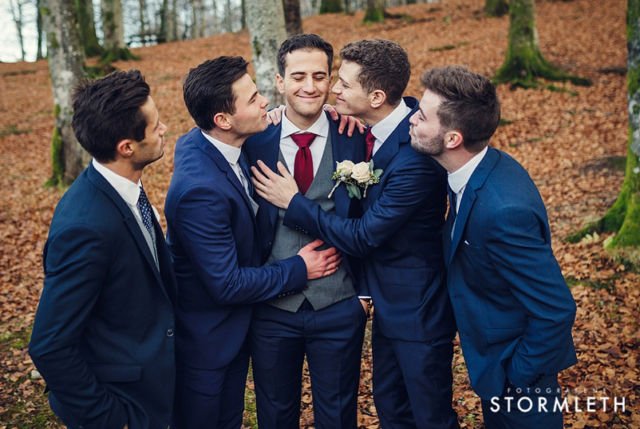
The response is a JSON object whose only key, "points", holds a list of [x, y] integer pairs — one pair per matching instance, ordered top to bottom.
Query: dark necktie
{"points": [[370, 140], [303, 165], [453, 202], [145, 210]]}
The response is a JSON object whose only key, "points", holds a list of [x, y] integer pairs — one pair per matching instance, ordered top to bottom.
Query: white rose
{"points": [[344, 168], [360, 172]]}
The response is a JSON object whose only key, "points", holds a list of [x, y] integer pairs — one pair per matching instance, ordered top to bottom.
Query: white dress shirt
{"points": [[383, 129], [289, 148], [231, 154], [458, 179], [128, 190]]}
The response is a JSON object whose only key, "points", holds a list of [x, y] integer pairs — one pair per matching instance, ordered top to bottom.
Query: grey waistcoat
{"points": [[327, 290]]}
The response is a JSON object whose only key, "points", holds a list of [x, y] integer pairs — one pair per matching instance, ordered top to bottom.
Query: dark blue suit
{"points": [[212, 238], [399, 238], [513, 309], [103, 333], [331, 337]]}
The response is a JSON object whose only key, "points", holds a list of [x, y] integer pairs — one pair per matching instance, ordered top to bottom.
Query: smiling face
{"points": [[305, 85], [351, 98], [250, 115], [427, 134]]}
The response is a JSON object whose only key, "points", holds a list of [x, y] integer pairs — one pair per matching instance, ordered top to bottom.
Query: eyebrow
{"points": [[253, 96]]}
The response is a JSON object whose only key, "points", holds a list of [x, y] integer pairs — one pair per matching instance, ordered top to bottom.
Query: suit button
{"points": [[169, 332]]}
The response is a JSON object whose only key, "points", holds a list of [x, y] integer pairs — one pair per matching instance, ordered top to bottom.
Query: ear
{"points": [[280, 83], [377, 98], [222, 121], [453, 139], [125, 148]]}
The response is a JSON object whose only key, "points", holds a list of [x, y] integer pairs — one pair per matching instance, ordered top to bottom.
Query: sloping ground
{"points": [[571, 141]]}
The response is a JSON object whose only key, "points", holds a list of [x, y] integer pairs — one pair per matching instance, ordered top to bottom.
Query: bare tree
{"points": [[331, 6], [16, 8], [375, 11], [292, 17], [197, 19], [265, 19], [86, 21], [40, 29], [66, 58]]}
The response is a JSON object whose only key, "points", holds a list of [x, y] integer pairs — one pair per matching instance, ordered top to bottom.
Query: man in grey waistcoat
{"points": [[325, 322]]}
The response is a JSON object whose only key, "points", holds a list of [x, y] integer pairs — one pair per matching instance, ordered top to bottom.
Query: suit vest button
{"points": [[169, 332]]}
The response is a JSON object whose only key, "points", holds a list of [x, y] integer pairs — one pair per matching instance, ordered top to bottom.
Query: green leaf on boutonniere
{"points": [[377, 172], [353, 191]]}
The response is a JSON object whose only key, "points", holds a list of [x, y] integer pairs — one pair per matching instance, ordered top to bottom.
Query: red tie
{"points": [[370, 140], [303, 165]]}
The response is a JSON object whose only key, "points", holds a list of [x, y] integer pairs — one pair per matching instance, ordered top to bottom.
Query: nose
{"points": [[308, 84], [336, 88], [265, 102], [412, 119], [163, 128]]}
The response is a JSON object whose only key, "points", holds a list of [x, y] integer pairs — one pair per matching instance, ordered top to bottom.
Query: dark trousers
{"points": [[331, 338], [412, 383], [211, 398], [525, 408]]}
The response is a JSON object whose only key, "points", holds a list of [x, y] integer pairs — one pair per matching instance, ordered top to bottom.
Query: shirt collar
{"points": [[320, 127], [383, 129], [230, 153], [459, 178], [128, 190]]}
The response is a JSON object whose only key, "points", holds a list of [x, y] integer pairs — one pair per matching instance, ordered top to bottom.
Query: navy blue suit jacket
{"points": [[265, 146], [399, 237], [213, 239], [513, 308], [103, 333]]}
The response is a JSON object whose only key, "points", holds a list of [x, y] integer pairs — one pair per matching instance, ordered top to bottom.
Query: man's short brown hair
{"points": [[384, 64], [470, 104]]}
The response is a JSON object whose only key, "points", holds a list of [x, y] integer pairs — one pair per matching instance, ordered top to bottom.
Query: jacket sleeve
{"points": [[404, 192], [202, 223], [521, 254], [76, 261]]}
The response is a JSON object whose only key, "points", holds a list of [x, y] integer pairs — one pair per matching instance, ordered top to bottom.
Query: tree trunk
{"points": [[331, 6], [496, 8], [375, 11], [16, 14], [142, 14], [292, 17], [198, 19], [265, 19], [86, 21], [228, 21], [40, 30], [168, 30], [113, 31], [66, 58], [524, 63]]}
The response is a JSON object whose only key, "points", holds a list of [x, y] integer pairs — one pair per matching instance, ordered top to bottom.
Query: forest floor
{"points": [[571, 139]]}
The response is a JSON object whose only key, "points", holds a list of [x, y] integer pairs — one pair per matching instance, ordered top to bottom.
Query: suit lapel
{"points": [[267, 151], [341, 151], [224, 166], [469, 196], [129, 220]]}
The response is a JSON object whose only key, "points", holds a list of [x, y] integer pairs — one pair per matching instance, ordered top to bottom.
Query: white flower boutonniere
{"points": [[355, 177]]}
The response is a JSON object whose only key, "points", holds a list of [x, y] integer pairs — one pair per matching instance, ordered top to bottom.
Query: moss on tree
{"points": [[331, 6], [496, 8], [524, 64], [57, 157]]}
